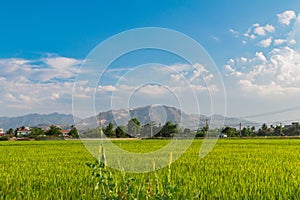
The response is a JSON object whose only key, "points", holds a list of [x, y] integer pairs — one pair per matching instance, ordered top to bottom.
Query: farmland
{"points": [[235, 169]]}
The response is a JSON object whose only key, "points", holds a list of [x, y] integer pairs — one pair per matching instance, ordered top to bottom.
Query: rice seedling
{"points": [[234, 169]]}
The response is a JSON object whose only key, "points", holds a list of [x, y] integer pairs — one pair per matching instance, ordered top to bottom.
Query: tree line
{"points": [[134, 129], [170, 129], [150, 130], [264, 130], [36, 132]]}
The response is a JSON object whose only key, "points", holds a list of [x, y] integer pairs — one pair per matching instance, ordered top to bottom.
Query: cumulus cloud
{"points": [[286, 17], [257, 30], [262, 30], [279, 41], [266, 43], [61, 62], [44, 69], [198, 71], [278, 71], [186, 73], [176, 77], [32, 84], [27, 85], [106, 88], [151, 89], [269, 89]]}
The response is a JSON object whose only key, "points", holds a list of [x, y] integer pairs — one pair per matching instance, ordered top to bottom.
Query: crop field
{"points": [[235, 169]]}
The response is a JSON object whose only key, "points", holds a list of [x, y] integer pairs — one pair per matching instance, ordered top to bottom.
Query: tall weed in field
{"points": [[111, 186]]}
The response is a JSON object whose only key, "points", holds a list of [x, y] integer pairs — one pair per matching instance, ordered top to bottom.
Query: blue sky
{"points": [[73, 28], [43, 42]]}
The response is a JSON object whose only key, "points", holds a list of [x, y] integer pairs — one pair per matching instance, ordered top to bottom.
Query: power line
{"points": [[272, 113]]}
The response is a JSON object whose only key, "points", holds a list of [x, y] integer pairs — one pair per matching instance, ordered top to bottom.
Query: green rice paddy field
{"points": [[235, 169]]}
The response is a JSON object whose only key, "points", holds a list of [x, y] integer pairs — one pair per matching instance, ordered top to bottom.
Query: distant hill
{"points": [[146, 114], [160, 115], [36, 119]]}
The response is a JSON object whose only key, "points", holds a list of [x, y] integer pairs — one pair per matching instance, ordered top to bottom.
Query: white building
{"points": [[23, 131], [1, 132], [222, 136]]}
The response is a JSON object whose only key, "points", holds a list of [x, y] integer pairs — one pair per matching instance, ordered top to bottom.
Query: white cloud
{"points": [[286, 17], [269, 28], [256, 30], [259, 31], [234, 32], [248, 35], [279, 41], [284, 41], [292, 42], [266, 43], [261, 56], [243, 59], [61, 62], [45, 69], [198, 71], [232, 71], [278, 72], [186, 73], [176, 77], [208, 77], [266, 78], [31, 84], [28, 85], [106, 88], [270, 89], [153, 90], [55, 96], [10, 97]]}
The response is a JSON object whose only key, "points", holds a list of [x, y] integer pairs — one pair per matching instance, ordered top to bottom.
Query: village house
{"points": [[294, 124], [23, 131], [2, 132], [65, 133]]}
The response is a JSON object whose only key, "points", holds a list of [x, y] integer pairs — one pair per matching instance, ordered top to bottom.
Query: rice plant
{"points": [[234, 169]]}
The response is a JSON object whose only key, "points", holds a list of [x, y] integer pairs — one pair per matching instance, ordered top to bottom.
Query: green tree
{"points": [[133, 127], [109, 130], [146, 130], [149, 130], [168, 130], [278, 130], [292, 130], [10, 131], [53, 131], [229, 131], [246, 131], [252, 131], [263, 131], [16, 132], [34, 132], [73, 132], [121, 132], [200, 133]]}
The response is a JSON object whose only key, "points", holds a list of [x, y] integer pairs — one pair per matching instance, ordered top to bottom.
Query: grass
{"points": [[235, 169]]}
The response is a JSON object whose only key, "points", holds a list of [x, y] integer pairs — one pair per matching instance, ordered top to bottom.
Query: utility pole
{"points": [[100, 125], [206, 126], [151, 128], [240, 129], [280, 130]]}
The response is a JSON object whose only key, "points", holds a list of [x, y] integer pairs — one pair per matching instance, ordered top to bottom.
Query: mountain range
{"points": [[158, 114], [32, 120]]}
